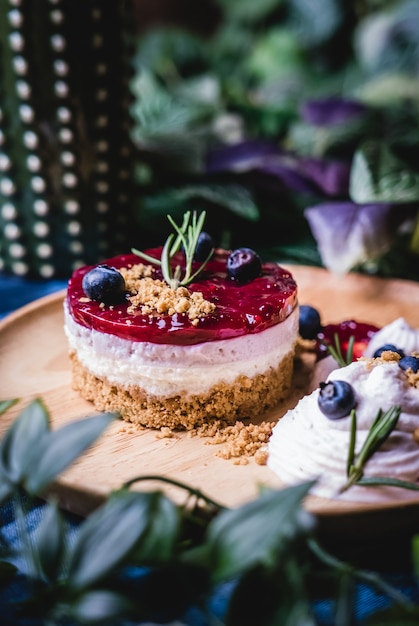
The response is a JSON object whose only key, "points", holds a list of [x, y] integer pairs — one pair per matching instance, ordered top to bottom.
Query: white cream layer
{"points": [[399, 333], [167, 370], [306, 445]]}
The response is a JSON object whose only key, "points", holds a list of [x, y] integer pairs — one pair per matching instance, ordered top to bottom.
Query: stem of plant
{"points": [[176, 483]]}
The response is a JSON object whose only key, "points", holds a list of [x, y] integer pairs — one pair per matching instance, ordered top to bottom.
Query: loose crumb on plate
{"points": [[165, 433], [242, 441]]}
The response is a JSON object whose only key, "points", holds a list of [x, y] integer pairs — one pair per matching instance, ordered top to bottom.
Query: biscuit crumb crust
{"points": [[245, 398]]}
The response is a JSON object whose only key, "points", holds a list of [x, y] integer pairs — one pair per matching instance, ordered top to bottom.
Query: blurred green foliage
{"points": [[249, 80]]}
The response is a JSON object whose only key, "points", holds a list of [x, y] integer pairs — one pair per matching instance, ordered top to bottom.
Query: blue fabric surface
{"points": [[15, 292]]}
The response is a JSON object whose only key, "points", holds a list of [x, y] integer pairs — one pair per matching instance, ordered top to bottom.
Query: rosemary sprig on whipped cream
{"points": [[186, 236], [336, 351], [380, 430]]}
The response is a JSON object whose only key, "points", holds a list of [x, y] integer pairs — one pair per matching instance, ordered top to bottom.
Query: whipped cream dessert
{"points": [[399, 333], [160, 366], [305, 444]]}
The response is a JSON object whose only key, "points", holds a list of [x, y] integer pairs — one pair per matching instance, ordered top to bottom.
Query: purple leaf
{"points": [[331, 111], [260, 156], [239, 157], [287, 169], [301, 174], [331, 177], [349, 234]]}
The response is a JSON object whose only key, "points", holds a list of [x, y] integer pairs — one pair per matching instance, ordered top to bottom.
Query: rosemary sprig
{"points": [[185, 236], [336, 350], [382, 426]]}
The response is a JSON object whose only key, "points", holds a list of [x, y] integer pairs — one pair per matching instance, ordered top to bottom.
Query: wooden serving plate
{"points": [[34, 363]]}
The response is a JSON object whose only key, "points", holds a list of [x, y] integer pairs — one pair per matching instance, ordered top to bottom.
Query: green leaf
{"points": [[315, 21], [386, 40], [163, 50], [276, 55], [391, 89], [158, 113], [171, 129], [327, 141], [377, 175], [232, 197], [5, 405], [382, 427], [379, 431], [22, 441], [352, 443], [59, 448], [374, 481], [114, 530], [254, 533], [49, 541], [158, 541], [415, 554], [345, 603], [100, 607]]}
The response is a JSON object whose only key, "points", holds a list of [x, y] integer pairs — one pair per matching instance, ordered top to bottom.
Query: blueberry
{"points": [[203, 247], [244, 265], [104, 284], [309, 322], [387, 347], [409, 362], [336, 399]]}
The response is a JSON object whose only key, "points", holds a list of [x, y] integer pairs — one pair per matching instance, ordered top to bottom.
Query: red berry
{"points": [[360, 331]]}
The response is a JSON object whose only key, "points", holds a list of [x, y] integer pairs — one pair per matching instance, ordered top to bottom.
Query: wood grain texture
{"points": [[34, 362]]}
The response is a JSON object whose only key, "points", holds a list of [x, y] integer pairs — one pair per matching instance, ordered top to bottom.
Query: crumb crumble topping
{"points": [[152, 296], [388, 356]]}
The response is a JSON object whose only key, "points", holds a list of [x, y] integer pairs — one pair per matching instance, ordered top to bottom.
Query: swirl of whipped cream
{"points": [[399, 333], [306, 445]]}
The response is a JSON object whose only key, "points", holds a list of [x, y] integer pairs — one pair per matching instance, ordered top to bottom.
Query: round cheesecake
{"points": [[218, 349]]}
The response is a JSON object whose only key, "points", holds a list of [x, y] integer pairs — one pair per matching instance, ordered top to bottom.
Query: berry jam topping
{"points": [[203, 247], [244, 265], [104, 284], [240, 308], [309, 322], [360, 331], [388, 347], [409, 363], [336, 399]]}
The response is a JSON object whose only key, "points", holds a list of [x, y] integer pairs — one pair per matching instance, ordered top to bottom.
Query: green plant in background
{"points": [[294, 124], [141, 557]]}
